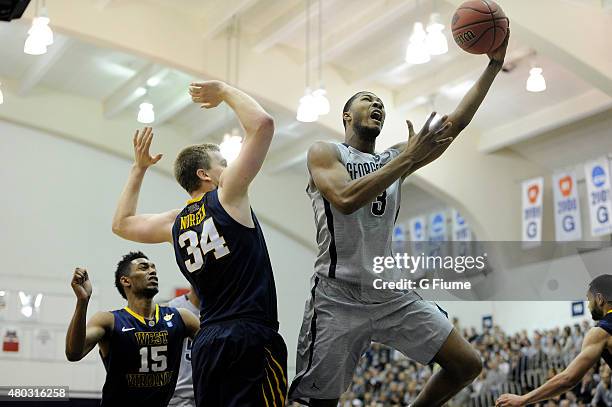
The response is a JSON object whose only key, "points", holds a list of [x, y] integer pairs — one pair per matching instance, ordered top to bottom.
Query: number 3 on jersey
{"points": [[380, 204], [198, 248]]}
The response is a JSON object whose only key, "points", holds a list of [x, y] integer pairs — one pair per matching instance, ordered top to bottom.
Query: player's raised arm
{"points": [[464, 113], [259, 130], [334, 182], [143, 228], [81, 338], [592, 348]]}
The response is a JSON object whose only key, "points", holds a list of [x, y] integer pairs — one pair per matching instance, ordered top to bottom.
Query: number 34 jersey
{"points": [[348, 244], [226, 262]]}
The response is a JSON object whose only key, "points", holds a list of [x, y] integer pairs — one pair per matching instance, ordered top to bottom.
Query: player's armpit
{"points": [[329, 175], [147, 228], [192, 323]]}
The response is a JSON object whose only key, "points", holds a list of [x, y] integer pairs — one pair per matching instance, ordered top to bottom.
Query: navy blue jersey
{"points": [[226, 262], [606, 324], [143, 361]]}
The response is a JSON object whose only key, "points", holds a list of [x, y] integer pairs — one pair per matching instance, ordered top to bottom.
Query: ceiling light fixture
{"points": [[40, 35], [436, 40], [416, 52], [536, 81], [320, 102], [307, 111], [146, 114]]}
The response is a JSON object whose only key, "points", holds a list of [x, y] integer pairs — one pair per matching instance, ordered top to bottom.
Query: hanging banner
{"points": [[597, 176], [532, 191], [568, 225], [461, 230], [437, 233], [418, 234]]}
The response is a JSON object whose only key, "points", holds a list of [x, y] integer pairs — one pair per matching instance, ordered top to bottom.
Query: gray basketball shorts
{"points": [[340, 322]]}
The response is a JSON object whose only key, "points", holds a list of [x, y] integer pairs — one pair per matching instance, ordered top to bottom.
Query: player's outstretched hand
{"points": [[499, 54], [208, 94], [430, 142], [142, 144], [81, 285], [509, 400]]}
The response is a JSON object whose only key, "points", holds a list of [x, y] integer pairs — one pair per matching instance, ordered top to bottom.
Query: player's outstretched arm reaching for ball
{"points": [[465, 111], [258, 127], [331, 178], [81, 337], [594, 344]]}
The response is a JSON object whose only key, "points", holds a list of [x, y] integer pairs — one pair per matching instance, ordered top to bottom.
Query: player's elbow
{"points": [[265, 126], [345, 205], [73, 356], [567, 380]]}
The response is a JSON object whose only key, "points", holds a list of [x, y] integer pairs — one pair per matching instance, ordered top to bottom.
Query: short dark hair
{"points": [[347, 105], [189, 161], [123, 269], [602, 285]]}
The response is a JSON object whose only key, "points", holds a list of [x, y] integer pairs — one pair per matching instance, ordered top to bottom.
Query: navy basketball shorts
{"points": [[239, 363]]}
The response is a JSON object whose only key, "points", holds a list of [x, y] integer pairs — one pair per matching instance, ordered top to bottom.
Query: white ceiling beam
{"points": [[221, 15], [387, 15], [286, 25], [42, 64], [455, 71], [129, 92], [165, 112], [545, 120], [212, 123]]}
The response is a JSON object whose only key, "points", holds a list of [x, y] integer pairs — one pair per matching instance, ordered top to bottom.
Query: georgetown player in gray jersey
{"points": [[355, 196], [183, 392]]}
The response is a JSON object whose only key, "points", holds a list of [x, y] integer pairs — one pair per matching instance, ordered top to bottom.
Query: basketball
{"points": [[479, 26]]}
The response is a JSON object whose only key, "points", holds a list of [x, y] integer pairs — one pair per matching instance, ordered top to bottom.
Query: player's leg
{"points": [[419, 330], [335, 333], [460, 365]]}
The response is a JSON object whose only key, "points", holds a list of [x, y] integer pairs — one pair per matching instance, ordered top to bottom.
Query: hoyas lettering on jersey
{"points": [[226, 262], [143, 360]]}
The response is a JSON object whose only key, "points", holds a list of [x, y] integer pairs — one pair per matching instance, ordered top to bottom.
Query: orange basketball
{"points": [[479, 26]]}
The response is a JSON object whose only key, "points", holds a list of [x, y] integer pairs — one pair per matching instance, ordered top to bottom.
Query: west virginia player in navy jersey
{"points": [[140, 344], [597, 344], [238, 357]]}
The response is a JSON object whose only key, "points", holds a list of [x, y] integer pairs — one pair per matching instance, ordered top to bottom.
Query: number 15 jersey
{"points": [[226, 262]]}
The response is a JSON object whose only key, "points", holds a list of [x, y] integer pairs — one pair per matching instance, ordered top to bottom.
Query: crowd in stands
{"points": [[511, 364]]}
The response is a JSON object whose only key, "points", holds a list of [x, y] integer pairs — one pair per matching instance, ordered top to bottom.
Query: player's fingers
{"points": [[429, 119], [441, 122], [410, 128], [444, 128], [135, 139], [444, 141], [157, 158]]}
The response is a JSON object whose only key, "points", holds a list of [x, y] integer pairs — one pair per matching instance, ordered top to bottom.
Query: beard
{"points": [[367, 132], [150, 292], [597, 314]]}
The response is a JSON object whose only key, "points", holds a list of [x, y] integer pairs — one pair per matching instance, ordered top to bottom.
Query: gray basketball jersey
{"points": [[347, 244], [184, 384]]}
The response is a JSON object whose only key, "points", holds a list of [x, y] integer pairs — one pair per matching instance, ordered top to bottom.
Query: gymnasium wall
{"points": [[58, 198]]}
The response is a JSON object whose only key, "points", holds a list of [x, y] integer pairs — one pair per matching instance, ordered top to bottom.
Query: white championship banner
{"points": [[597, 177], [532, 191], [568, 226]]}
